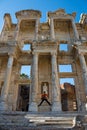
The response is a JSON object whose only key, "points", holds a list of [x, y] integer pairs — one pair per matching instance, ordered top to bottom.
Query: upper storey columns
{"points": [[28, 16], [63, 16], [18, 28], [36, 29], [52, 34], [76, 35]]}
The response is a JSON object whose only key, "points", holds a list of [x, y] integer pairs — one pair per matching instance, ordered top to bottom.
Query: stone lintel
{"points": [[45, 42], [7, 43]]}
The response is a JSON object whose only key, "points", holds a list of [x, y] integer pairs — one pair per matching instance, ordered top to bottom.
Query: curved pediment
{"points": [[28, 13]]}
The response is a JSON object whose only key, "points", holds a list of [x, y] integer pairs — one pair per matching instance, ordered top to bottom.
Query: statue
{"points": [[45, 88]]}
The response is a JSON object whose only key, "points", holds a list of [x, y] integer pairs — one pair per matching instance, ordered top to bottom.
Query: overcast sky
{"points": [[12, 6]]}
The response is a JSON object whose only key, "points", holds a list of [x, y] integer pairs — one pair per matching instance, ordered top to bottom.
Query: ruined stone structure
{"points": [[44, 56]]}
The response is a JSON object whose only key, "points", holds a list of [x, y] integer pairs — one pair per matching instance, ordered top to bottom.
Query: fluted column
{"points": [[36, 29], [75, 30], [52, 34], [34, 83], [5, 88], [56, 96]]}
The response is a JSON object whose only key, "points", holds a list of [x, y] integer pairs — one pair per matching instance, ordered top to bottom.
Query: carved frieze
{"points": [[27, 25], [61, 25], [45, 46]]}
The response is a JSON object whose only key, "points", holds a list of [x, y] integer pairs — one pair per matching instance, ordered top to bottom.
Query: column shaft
{"points": [[36, 29], [75, 30], [17, 31], [52, 34], [84, 70], [34, 84], [5, 88], [56, 98]]}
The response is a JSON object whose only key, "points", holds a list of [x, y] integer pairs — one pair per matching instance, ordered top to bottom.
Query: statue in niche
{"points": [[45, 87]]}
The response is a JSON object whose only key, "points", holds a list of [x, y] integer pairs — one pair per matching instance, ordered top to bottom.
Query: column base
{"points": [[3, 106], [56, 106], [33, 107]]}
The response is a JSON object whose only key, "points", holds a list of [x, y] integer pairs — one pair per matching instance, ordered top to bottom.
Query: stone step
{"points": [[20, 119], [39, 121], [60, 122]]}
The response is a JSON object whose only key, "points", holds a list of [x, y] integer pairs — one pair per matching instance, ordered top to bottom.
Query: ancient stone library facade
{"points": [[57, 55]]}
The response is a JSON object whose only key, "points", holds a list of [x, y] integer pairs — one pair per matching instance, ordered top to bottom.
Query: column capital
{"points": [[51, 18], [72, 19], [37, 20], [77, 42], [80, 52], [35, 53], [53, 53], [11, 54]]}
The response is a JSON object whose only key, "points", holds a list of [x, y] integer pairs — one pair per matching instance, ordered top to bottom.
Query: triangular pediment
{"points": [[60, 11]]}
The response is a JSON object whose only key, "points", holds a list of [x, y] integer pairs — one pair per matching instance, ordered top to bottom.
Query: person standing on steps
{"points": [[44, 97]]}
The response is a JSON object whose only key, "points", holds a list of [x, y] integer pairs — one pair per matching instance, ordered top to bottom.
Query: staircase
{"points": [[36, 121]]}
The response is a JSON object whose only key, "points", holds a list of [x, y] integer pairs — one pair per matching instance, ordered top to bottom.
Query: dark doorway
{"points": [[68, 97], [23, 98]]}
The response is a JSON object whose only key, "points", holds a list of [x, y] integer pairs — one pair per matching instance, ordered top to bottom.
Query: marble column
{"points": [[36, 29], [17, 31], [52, 34], [76, 35], [84, 69], [84, 75], [34, 83], [5, 88], [56, 95]]}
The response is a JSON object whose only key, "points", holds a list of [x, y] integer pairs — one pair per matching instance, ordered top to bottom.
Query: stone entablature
{"points": [[45, 46]]}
